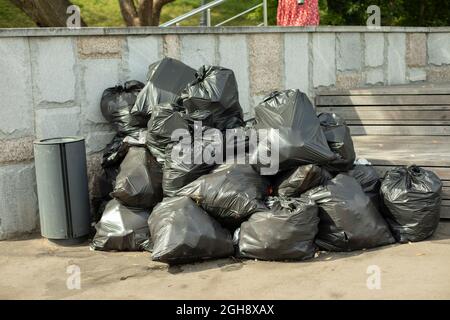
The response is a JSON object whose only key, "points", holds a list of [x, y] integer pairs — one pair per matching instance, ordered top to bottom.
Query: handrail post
{"points": [[265, 13], [203, 15], [208, 18]]}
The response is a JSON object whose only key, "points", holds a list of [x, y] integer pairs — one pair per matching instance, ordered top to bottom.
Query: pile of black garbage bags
{"points": [[316, 199]]}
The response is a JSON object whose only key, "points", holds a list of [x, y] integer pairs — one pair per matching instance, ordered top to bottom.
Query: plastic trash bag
{"points": [[166, 80], [215, 90], [116, 104], [205, 117], [165, 119], [300, 138], [339, 140], [117, 149], [184, 162], [369, 180], [297, 181], [139, 182], [102, 188], [230, 194], [412, 202], [348, 219], [121, 228], [182, 232], [285, 232]]}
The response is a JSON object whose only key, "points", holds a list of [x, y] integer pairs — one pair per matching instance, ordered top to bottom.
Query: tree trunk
{"points": [[157, 7], [142, 12], [46, 13], [129, 13]]}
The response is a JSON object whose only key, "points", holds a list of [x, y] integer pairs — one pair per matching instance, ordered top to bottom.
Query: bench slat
{"points": [[443, 88], [383, 100], [364, 108], [352, 113], [397, 122], [399, 130], [403, 150]]}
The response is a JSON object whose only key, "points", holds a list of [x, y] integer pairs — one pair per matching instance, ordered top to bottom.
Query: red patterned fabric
{"points": [[290, 13]]}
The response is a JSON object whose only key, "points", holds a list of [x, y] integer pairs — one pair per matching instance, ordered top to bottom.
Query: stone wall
{"points": [[52, 80]]}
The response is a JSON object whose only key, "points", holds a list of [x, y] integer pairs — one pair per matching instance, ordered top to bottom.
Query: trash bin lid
{"points": [[59, 140]]}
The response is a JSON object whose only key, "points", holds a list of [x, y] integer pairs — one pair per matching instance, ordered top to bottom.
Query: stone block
{"points": [[172, 46], [100, 47], [439, 48], [416, 49], [198, 50], [142, 51], [349, 51], [374, 53], [234, 55], [296, 59], [53, 62], [266, 63], [324, 64], [396, 64], [417, 74], [438, 74], [97, 75], [374, 76], [349, 80], [16, 107], [57, 122], [96, 141], [16, 150], [18, 203]]}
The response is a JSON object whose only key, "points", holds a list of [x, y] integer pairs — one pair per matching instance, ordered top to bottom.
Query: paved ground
{"points": [[37, 269]]}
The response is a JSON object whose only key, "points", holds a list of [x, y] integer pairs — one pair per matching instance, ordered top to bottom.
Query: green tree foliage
{"points": [[332, 12], [426, 13]]}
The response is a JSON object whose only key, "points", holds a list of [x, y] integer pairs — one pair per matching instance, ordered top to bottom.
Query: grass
{"points": [[106, 13], [12, 17]]}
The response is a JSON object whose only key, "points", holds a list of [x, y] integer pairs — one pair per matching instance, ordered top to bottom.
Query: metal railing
{"points": [[207, 8]]}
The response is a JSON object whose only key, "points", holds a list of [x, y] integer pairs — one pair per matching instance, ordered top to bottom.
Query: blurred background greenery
{"points": [[332, 12]]}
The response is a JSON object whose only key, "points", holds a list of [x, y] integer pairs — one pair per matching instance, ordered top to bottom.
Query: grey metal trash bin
{"points": [[62, 187]]}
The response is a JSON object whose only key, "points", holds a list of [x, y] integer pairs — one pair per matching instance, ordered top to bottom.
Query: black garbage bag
{"points": [[166, 80], [215, 90], [116, 104], [205, 117], [165, 119], [293, 126], [339, 140], [237, 145], [117, 149], [185, 161], [369, 180], [139, 182], [294, 182], [102, 188], [231, 193], [411, 202], [348, 219], [121, 228], [182, 232], [285, 232]]}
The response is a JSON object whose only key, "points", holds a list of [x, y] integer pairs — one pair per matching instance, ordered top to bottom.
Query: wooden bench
{"points": [[398, 125]]}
